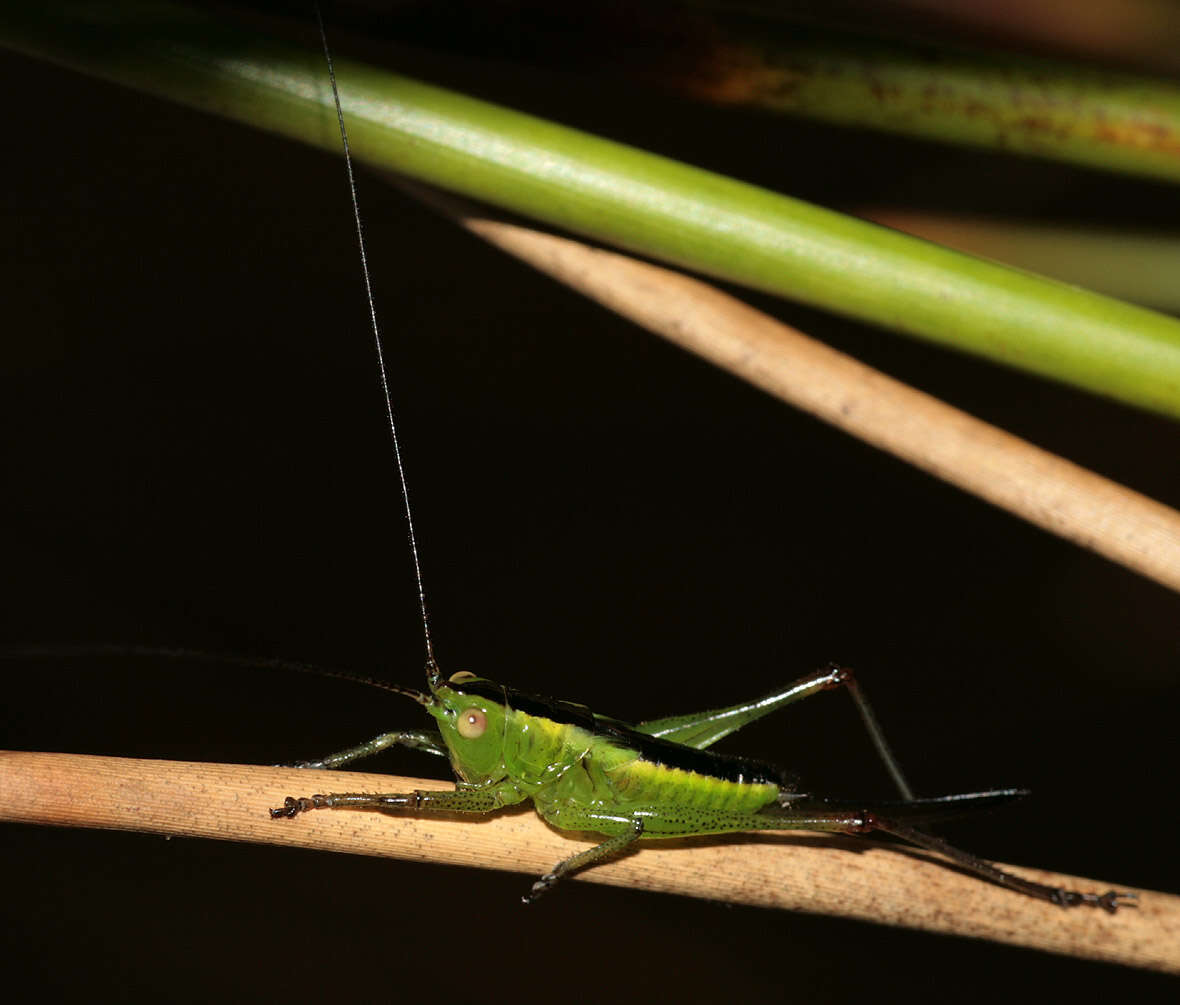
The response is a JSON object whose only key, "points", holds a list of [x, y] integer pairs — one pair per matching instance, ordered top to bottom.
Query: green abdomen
{"points": [[580, 780], [641, 783]]}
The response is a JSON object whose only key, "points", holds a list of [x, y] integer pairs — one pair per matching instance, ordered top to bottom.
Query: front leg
{"points": [[466, 799]]}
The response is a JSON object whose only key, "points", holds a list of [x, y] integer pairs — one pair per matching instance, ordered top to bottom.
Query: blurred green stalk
{"points": [[1014, 104], [620, 195]]}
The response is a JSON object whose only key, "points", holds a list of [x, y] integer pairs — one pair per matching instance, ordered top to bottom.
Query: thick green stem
{"points": [[611, 192]]}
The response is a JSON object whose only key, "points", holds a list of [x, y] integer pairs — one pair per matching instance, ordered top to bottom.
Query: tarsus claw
{"points": [[290, 807]]}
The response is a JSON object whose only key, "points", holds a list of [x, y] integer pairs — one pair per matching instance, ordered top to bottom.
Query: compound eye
{"points": [[461, 676], [472, 724]]}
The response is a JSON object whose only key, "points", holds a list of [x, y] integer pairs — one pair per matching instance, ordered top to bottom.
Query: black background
{"points": [[194, 454]]}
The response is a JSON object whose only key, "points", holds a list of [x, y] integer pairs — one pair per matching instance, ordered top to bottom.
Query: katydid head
{"points": [[472, 726]]}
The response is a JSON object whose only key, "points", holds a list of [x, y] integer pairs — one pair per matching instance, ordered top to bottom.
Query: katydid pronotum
{"points": [[657, 779]]}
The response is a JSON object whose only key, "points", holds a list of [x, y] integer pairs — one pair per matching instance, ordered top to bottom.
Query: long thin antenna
{"points": [[431, 665]]}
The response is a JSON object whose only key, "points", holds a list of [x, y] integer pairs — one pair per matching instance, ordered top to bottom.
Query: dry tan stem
{"points": [[1032, 483], [846, 877]]}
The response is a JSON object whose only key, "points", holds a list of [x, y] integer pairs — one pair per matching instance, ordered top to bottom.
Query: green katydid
{"points": [[657, 779]]}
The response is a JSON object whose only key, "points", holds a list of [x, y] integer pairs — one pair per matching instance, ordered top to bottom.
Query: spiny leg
{"points": [[843, 676], [414, 739], [473, 799], [866, 821], [608, 849], [1109, 901]]}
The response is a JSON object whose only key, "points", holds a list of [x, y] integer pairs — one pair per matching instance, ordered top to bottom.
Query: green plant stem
{"points": [[611, 192]]}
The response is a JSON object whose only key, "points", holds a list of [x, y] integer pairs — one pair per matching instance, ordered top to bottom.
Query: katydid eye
{"points": [[461, 676], [472, 724]]}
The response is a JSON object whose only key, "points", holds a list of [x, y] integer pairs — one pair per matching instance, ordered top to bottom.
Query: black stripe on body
{"points": [[658, 751]]}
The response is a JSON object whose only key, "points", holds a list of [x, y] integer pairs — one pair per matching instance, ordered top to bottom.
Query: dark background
{"points": [[194, 455]]}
